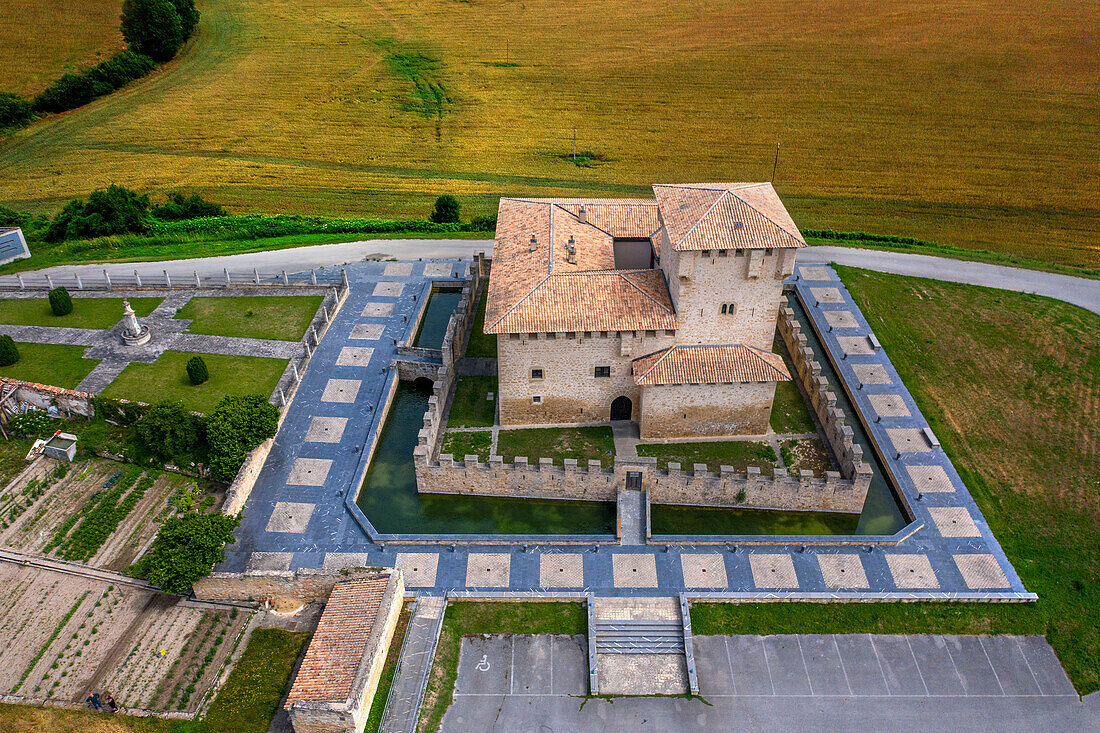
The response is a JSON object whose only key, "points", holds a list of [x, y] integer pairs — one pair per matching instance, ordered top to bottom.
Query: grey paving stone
{"points": [[398, 269], [439, 269], [814, 273], [388, 290], [827, 295], [378, 310], [840, 319], [367, 331], [855, 345], [355, 356], [871, 374], [340, 390], [889, 405], [326, 429], [908, 440], [309, 472], [930, 479], [290, 516], [953, 521], [342, 560], [269, 561], [418, 568], [488, 569], [561, 570], [704, 570], [772, 570], [843, 570], [633, 571], [911, 571], [981, 571], [861, 664], [484, 665], [570, 665], [749, 665], [824, 665], [898, 665], [1011, 665], [712, 666], [936, 666], [788, 671], [642, 674], [978, 677]]}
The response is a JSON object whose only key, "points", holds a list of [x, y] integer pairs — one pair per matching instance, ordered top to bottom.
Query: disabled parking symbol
{"points": [[483, 665]]}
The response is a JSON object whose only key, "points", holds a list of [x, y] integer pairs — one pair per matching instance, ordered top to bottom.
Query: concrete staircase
{"points": [[640, 646]]}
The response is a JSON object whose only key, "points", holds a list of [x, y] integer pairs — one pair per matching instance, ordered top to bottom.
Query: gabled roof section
{"points": [[700, 216], [567, 280], [723, 364]]}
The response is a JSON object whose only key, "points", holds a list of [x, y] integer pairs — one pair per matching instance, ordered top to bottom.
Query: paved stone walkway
{"points": [[413, 666]]}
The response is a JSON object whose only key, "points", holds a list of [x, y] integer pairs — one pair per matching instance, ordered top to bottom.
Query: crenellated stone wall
{"points": [[837, 432]]}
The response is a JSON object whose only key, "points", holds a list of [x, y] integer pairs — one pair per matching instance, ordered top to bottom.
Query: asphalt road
{"points": [[1078, 291]]}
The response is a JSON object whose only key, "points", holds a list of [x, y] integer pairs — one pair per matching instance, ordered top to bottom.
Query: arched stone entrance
{"points": [[621, 408]]}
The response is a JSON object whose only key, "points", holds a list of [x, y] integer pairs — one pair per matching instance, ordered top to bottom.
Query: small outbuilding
{"points": [[13, 246]]}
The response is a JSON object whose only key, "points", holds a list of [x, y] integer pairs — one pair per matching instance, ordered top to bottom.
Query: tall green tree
{"points": [[189, 16], [152, 27], [446, 209], [111, 210], [237, 425], [169, 431], [187, 548]]}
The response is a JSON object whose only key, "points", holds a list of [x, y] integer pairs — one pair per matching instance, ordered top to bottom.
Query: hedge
{"points": [[73, 90], [257, 226]]}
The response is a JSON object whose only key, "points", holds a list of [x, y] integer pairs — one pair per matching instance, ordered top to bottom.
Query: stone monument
{"points": [[133, 333]]}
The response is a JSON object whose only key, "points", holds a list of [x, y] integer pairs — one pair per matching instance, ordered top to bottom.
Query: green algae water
{"points": [[433, 327], [392, 504], [881, 513]]}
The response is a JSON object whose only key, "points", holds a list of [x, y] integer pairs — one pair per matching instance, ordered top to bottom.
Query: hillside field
{"points": [[42, 39], [966, 123]]}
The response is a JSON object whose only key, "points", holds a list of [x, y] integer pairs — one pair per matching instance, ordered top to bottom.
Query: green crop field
{"points": [[952, 122]]}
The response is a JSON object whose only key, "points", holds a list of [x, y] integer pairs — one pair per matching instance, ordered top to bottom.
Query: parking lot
{"points": [[918, 682]]}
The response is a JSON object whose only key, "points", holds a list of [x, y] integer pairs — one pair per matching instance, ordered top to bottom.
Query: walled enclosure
{"points": [[65, 402], [690, 410], [843, 491]]}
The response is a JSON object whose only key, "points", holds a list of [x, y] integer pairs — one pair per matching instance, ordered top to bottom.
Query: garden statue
{"points": [[133, 333]]}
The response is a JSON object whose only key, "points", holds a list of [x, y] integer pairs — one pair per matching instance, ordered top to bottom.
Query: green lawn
{"points": [[87, 312], [281, 317], [481, 345], [56, 364], [166, 379], [1010, 384], [470, 408], [790, 412], [594, 443], [460, 445], [737, 453], [806, 455], [469, 618]]}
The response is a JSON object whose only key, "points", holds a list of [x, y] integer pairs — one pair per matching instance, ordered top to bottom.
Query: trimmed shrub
{"points": [[152, 27], [14, 110], [180, 207], [111, 210], [446, 210], [60, 302], [9, 354], [196, 370]]}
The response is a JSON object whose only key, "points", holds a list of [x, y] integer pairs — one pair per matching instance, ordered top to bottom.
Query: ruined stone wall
{"points": [[569, 389], [58, 401], [690, 410], [838, 434], [307, 585]]}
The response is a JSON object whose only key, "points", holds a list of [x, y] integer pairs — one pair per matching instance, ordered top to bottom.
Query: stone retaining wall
{"points": [[307, 585]]}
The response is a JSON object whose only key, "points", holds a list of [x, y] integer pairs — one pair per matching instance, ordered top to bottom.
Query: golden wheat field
{"points": [[43, 39], [974, 123]]}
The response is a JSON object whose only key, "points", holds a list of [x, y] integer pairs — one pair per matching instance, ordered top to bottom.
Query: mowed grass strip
{"points": [[87, 312], [280, 317], [481, 345], [60, 365], [166, 379], [1010, 384], [471, 407], [472, 443], [584, 444], [737, 453], [467, 619]]}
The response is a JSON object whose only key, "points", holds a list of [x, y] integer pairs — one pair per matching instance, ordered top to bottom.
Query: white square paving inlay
{"points": [[398, 269], [439, 269], [814, 273], [388, 290], [827, 295], [377, 310], [840, 319], [367, 331], [857, 345], [356, 356], [871, 373], [340, 390], [889, 405], [326, 429], [908, 440], [309, 472], [930, 479], [290, 516], [954, 521], [342, 560], [269, 561], [418, 568], [488, 569], [561, 570], [704, 570], [633, 571], [773, 571], [843, 571], [912, 571], [981, 572]]}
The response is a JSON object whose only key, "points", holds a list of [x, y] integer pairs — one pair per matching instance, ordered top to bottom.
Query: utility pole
{"points": [[776, 163]]}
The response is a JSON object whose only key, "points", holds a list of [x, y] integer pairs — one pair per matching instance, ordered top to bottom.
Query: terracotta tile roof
{"points": [[725, 216], [542, 291], [726, 364], [46, 388], [336, 650]]}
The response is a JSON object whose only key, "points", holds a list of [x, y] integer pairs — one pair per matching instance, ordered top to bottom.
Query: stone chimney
{"points": [[582, 215], [534, 243], [571, 251]]}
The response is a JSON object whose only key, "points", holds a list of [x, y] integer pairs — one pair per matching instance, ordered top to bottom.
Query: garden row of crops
{"points": [[82, 534]]}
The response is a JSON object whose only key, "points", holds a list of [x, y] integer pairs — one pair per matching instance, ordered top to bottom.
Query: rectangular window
{"points": [[603, 371], [536, 374], [536, 400]]}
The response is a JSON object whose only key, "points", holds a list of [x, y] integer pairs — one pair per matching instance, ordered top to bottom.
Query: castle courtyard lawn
{"points": [[87, 312], [281, 317], [481, 345], [58, 364], [166, 379], [1010, 383], [470, 408], [790, 413], [473, 443], [584, 444], [737, 453]]}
